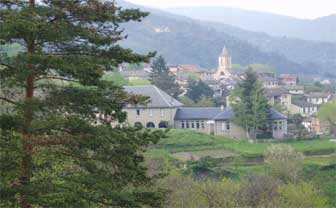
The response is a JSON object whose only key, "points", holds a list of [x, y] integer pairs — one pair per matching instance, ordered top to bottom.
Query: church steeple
{"points": [[225, 52], [224, 64]]}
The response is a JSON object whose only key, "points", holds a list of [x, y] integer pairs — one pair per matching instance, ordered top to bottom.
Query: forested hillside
{"points": [[319, 29], [184, 40]]}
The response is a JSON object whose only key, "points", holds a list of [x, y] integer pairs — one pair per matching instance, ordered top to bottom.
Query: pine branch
{"points": [[56, 78], [8, 100]]}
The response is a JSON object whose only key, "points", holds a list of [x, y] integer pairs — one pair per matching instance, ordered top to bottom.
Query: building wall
{"points": [[155, 115], [203, 127], [279, 129], [233, 131]]}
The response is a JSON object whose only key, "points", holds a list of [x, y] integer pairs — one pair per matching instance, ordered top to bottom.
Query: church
{"points": [[224, 65]]}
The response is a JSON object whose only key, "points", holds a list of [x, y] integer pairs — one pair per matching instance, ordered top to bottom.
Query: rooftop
{"points": [[276, 92], [317, 95], [158, 98], [302, 103], [213, 113]]}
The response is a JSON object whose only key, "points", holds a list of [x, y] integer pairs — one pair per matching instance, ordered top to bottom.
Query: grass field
{"points": [[190, 141]]}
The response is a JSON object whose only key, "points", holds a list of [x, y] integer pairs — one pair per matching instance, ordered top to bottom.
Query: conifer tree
{"points": [[163, 79], [250, 105], [57, 145]]}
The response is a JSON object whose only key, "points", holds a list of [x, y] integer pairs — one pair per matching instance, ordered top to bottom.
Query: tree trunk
{"points": [[27, 147]]}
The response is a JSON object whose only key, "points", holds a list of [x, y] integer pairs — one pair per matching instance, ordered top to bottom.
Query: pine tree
{"points": [[163, 79], [251, 106], [57, 145]]}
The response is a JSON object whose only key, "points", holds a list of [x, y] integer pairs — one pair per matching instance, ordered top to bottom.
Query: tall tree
{"points": [[163, 79], [197, 89], [250, 105], [53, 153]]}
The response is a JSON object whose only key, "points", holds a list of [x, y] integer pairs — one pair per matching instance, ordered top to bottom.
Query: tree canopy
{"points": [[163, 79], [197, 90], [250, 105], [327, 114], [57, 145]]}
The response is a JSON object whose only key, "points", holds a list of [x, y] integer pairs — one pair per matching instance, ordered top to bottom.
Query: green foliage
{"points": [[116, 78], [163, 79], [198, 89], [203, 102], [251, 106], [327, 114], [57, 145], [284, 161], [301, 195]]}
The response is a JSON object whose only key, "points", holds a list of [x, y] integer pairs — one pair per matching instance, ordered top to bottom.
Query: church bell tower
{"points": [[224, 64]]}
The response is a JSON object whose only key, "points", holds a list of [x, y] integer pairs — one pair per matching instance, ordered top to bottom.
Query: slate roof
{"points": [[276, 92], [317, 95], [158, 98], [302, 103], [202, 113], [216, 114]]}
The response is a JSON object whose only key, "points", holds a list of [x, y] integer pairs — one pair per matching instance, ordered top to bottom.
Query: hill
{"points": [[320, 29], [184, 40]]}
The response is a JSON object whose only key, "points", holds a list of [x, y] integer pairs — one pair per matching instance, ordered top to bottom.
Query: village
{"points": [[291, 101]]}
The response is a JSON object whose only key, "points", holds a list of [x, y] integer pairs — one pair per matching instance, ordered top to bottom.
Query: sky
{"points": [[306, 9]]}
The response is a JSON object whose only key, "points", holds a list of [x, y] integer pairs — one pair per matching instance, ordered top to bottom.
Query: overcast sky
{"points": [[295, 8]]}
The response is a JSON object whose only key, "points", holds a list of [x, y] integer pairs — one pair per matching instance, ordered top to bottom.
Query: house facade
{"points": [[163, 111], [158, 113]]}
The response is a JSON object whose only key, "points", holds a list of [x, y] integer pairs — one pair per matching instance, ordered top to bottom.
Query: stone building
{"points": [[164, 111], [158, 113]]}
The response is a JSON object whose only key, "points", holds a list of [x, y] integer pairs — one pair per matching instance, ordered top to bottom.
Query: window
{"points": [[138, 112], [150, 112], [162, 112], [182, 124], [187, 124], [192, 124], [197, 124], [202, 124], [275, 125], [280, 125], [223, 126], [228, 126]]}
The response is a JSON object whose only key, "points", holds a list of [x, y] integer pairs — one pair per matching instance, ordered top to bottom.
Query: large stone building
{"points": [[164, 111], [158, 113]]}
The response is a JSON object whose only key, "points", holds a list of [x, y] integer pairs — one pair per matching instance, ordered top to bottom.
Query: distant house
{"points": [[288, 79], [295, 89], [279, 96], [318, 98], [303, 107], [164, 111], [314, 125]]}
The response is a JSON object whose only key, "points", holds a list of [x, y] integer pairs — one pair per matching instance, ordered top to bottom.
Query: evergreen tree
{"points": [[163, 79], [198, 89], [250, 105], [57, 146]]}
